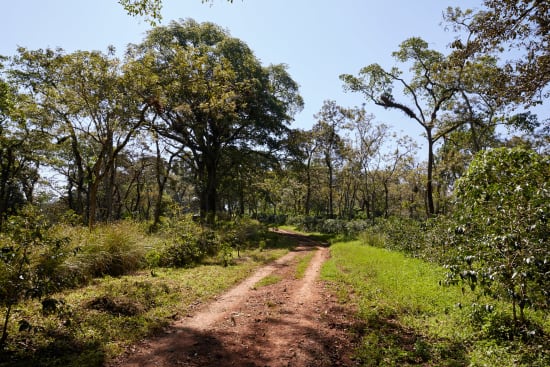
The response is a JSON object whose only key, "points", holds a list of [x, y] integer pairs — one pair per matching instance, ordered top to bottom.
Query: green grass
{"points": [[302, 265], [268, 280], [409, 319]]}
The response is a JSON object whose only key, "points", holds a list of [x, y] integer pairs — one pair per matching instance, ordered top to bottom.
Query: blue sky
{"points": [[319, 40]]}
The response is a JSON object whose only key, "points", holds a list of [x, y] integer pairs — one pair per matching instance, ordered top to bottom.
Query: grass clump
{"points": [[302, 265], [267, 280]]}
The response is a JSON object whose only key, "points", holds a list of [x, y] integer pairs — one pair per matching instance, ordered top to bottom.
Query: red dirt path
{"points": [[295, 322]]}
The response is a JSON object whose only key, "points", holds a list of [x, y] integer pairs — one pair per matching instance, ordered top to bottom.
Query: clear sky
{"points": [[317, 39]]}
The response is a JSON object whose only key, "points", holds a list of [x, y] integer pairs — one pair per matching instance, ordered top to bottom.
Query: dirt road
{"points": [[294, 322]]}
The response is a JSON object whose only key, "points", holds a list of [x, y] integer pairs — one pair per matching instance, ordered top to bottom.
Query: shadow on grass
{"points": [[288, 237], [386, 342], [63, 351]]}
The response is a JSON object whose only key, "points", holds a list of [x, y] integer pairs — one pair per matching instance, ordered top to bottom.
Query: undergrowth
{"points": [[116, 292]]}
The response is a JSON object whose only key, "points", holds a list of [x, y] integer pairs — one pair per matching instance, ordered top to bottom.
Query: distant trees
{"points": [[429, 92], [189, 96], [92, 111], [22, 145]]}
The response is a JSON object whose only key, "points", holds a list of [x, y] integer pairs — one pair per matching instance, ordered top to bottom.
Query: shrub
{"points": [[502, 230], [186, 244], [112, 249], [30, 259]]}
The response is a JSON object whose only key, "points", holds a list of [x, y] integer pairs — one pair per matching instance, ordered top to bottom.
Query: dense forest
{"points": [[190, 123]]}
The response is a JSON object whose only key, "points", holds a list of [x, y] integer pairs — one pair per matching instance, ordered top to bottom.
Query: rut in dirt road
{"points": [[295, 322]]}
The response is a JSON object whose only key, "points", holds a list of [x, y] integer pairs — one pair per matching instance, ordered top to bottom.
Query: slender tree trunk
{"points": [[330, 188], [208, 195], [386, 199], [92, 204], [307, 204], [430, 208], [5, 326]]}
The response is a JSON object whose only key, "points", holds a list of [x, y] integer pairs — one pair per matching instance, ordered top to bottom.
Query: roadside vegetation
{"points": [[120, 284], [409, 318]]}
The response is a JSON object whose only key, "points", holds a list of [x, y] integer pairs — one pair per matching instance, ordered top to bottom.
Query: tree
{"points": [[522, 26], [428, 91], [445, 92], [213, 96], [90, 103], [369, 139], [330, 145], [302, 147], [22, 148], [502, 234]]}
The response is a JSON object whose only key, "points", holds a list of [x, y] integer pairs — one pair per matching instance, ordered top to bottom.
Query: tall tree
{"points": [[436, 83], [427, 93], [213, 96], [330, 119], [303, 147], [22, 148]]}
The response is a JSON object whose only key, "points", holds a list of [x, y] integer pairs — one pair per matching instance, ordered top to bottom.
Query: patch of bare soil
{"points": [[295, 322]]}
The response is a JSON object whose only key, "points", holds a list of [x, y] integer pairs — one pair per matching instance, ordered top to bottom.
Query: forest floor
{"points": [[297, 321]]}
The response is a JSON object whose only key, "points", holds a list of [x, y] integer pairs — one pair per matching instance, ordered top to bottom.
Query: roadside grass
{"points": [[409, 319], [91, 325]]}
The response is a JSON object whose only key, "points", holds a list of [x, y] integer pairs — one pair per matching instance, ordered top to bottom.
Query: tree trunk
{"points": [[330, 189], [208, 195], [386, 200], [307, 204], [430, 208]]}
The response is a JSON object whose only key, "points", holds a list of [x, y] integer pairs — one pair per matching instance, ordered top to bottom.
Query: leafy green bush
{"points": [[501, 235], [427, 240], [186, 242], [31, 258]]}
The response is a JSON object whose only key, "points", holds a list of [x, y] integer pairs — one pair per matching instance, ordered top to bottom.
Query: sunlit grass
{"points": [[302, 265], [410, 319]]}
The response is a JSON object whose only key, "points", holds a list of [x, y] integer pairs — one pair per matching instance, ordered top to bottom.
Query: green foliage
{"points": [[147, 8], [501, 237], [421, 239], [188, 243], [30, 261]]}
